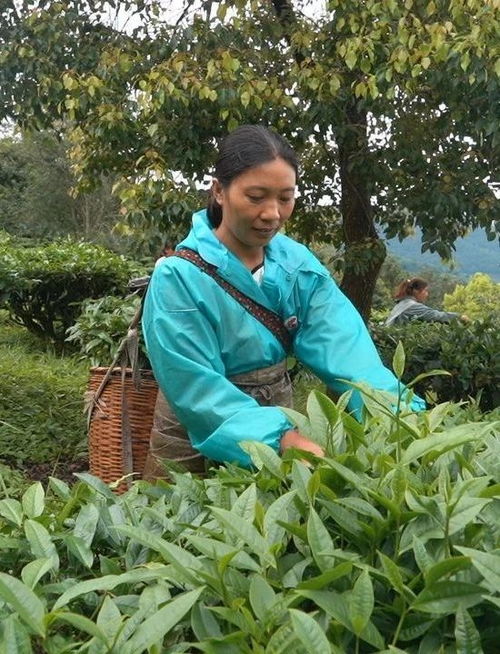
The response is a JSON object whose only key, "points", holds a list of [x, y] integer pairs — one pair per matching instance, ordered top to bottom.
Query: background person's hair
{"points": [[244, 148], [409, 286]]}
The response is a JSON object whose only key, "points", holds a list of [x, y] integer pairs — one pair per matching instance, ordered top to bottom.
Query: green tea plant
{"points": [[43, 287], [390, 543]]}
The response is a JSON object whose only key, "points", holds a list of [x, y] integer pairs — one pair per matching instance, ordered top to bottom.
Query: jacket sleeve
{"points": [[419, 311], [334, 342], [185, 354]]}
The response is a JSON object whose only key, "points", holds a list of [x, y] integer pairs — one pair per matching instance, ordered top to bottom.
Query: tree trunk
{"points": [[365, 252]]}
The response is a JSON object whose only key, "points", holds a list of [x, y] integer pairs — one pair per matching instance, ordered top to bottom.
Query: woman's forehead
{"points": [[275, 173]]}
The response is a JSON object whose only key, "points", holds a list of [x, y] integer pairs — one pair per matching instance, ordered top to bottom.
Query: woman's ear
{"points": [[217, 191]]}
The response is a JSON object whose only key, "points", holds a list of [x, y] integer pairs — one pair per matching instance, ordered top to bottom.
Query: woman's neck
{"points": [[250, 257]]}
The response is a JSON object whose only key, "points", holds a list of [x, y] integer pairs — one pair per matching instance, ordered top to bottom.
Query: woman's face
{"points": [[254, 207], [422, 294]]}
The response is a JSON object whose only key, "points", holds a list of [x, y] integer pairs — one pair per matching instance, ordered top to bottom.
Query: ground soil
{"points": [[62, 470]]}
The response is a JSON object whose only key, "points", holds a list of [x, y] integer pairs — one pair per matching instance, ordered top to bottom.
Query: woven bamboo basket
{"points": [[106, 433]]}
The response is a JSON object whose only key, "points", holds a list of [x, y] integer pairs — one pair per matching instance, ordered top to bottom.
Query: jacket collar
{"points": [[202, 239]]}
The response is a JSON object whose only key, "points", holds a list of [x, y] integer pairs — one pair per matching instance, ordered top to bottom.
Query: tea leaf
{"points": [[398, 360], [299, 421], [319, 421], [437, 444], [263, 456], [301, 475], [357, 481], [96, 484], [60, 488], [33, 500], [244, 506], [361, 506], [11, 510], [466, 510], [86, 523], [247, 532], [273, 532], [319, 541], [40, 542], [216, 549], [80, 550], [423, 560], [184, 562], [486, 564], [446, 567], [34, 571], [393, 573], [322, 580], [108, 582], [261, 596], [445, 597], [24, 601], [361, 602], [335, 605], [109, 619], [81, 623], [203, 623], [158, 625], [309, 632], [467, 636], [14, 638], [284, 641]]}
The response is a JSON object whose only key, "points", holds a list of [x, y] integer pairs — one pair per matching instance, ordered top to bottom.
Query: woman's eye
{"points": [[255, 198], [285, 200]]}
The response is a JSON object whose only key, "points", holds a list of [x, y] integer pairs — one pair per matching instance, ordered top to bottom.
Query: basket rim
{"points": [[102, 370]]}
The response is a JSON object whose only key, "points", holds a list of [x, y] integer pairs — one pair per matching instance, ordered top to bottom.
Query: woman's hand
{"points": [[464, 318], [293, 438]]}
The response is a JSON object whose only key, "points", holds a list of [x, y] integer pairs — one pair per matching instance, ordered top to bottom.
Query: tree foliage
{"points": [[370, 93], [36, 198], [479, 298]]}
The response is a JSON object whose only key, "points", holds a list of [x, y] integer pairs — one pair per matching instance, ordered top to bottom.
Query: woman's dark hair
{"points": [[244, 148], [409, 286]]}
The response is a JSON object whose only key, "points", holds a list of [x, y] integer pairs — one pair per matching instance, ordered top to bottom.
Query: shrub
{"points": [[43, 287], [468, 352], [388, 544]]}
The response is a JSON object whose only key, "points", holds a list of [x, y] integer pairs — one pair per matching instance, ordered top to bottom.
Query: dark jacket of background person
{"points": [[410, 296]]}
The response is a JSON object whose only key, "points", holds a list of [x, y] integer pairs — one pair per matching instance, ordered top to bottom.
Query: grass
{"points": [[41, 400]]}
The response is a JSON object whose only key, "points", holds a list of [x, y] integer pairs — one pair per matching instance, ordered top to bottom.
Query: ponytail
{"points": [[409, 286]]}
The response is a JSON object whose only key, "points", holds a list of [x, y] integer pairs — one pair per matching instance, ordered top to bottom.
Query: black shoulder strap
{"points": [[268, 318]]}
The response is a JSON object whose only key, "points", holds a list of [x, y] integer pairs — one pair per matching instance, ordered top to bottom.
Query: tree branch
{"points": [[287, 19]]}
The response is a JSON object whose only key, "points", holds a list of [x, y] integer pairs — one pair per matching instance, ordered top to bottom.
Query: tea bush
{"points": [[43, 287], [470, 353], [388, 544]]}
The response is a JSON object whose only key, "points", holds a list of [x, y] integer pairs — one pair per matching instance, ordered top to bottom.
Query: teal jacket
{"points": [[197, 335]]}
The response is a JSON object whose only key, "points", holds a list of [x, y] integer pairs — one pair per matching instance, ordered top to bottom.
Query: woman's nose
{"points": [[271, 211]]}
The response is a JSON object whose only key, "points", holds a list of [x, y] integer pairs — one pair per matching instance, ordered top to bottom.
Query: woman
{"points": [[410, 297], [222, 371]]}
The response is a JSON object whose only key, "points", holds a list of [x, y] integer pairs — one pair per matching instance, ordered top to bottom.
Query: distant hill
{"points": [[473, 254]]}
